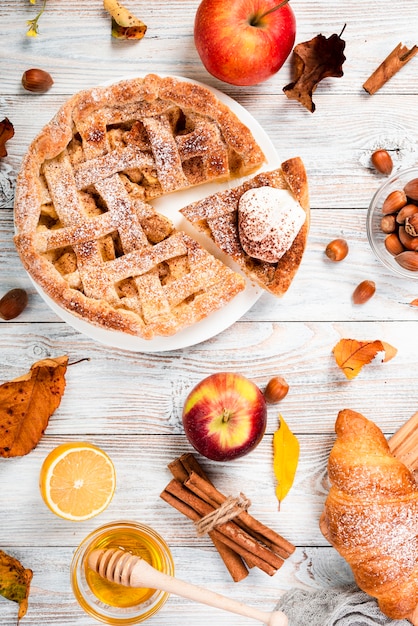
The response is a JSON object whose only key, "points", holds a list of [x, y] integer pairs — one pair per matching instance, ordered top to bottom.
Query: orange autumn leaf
{"points": [[414, 302], [390, 351], [350, 354], [27, 403]]}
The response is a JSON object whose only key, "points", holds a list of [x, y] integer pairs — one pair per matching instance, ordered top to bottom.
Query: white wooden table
{"points": [[130, 403]]}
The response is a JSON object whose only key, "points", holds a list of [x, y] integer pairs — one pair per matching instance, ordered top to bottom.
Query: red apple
{"points": [[244, 42], [225, 416]]}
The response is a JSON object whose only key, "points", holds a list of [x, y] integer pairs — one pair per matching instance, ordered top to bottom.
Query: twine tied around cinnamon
{"points": [[232, 507]]}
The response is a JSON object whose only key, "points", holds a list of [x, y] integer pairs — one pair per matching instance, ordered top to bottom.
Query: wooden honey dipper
{"points": [[124, 568]]}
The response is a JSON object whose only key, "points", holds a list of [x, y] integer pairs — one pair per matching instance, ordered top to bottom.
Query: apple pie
{"points": [[261, 224], [85, 230]]}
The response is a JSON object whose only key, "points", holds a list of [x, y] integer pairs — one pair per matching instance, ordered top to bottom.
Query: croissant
{"points": [[371, 515]]}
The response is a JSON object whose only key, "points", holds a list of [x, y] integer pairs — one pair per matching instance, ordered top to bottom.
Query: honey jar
{"points": [[110, 602]]}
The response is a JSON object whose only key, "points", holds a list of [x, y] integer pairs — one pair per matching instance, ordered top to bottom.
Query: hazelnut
{"points": [[37, 81], [382, 161], [411, 189], [395, 201], [405, 212], [388, 223], [408, 241], [393, 244], [337, 249], [408, 260], [364, 291], [13, 303], [276, 390]]}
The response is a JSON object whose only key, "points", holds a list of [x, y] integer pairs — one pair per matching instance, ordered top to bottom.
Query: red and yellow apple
{"points": [[244, 42], [225, 416]]}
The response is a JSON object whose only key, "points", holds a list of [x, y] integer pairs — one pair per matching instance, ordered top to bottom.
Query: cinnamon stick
{"points": [[389, 67], [184, 466], [181, 469], [247, 522], [264, 558]]}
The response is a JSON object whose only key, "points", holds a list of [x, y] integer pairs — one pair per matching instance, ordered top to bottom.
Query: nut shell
{"points": [[37, 81], [382, 161], [411, 189], [394, 201], [407, 211], [388, 223], [411, 225], [408, 241], [393, 245], [337, 250], [408, 260], [364, 291], [13, 303], [276, 390]]}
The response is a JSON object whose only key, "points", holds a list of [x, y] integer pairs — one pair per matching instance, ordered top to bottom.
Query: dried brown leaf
{"points": [[315, 60], [6, 132], [27, 403], [15, 582]]}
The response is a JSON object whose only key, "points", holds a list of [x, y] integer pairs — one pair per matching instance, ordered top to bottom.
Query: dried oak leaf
{"points": [[124, 24], [315, 60], [6, 132], [350, 354], [27, 403], [15, 582]]}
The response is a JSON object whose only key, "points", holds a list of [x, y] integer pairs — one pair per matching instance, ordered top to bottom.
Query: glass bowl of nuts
{"points": [[392, 223]]}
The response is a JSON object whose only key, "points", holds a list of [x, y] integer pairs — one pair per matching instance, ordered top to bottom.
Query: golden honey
{"points": [[110, 602]]}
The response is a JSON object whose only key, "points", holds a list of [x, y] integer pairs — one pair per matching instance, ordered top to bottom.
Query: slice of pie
{"points": [[261, 224], [84, 229]]}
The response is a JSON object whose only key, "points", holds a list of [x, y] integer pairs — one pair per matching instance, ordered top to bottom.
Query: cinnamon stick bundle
{"points": [[389, 67], [242, 541]]}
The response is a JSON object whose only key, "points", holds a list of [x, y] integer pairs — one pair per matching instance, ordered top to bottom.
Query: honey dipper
{"points": [[126, 569]]}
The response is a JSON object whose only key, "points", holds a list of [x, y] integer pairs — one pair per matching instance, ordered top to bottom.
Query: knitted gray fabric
{"points": [[333, 607]]}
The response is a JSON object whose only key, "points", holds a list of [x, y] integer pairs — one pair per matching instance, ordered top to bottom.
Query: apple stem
{"points": [[278, 6], [226, 415]]}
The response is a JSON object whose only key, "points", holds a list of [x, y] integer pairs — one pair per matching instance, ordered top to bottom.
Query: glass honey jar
{"points": [[110, 602]]}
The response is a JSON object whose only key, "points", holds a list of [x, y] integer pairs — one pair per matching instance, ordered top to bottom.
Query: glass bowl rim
{"points": [[381, 253]]}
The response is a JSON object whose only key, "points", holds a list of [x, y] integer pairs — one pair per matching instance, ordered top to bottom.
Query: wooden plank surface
{"points": [[130, 403]]}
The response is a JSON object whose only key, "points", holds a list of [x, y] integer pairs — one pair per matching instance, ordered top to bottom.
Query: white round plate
{"points": [[170, 206]]}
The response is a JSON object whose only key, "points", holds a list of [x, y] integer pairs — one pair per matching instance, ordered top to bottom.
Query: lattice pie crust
{"points": [[85, 230]]}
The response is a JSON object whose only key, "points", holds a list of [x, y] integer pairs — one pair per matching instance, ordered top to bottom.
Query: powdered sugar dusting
{"points": [[85, 232], [371, 514]]}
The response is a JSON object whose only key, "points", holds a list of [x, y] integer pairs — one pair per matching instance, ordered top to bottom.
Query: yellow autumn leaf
{"points": [[124, 24], [27, 403], [285, 459]]}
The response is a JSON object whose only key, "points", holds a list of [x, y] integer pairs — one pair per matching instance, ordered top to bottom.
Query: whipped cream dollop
{"points": [[268, 221]]}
